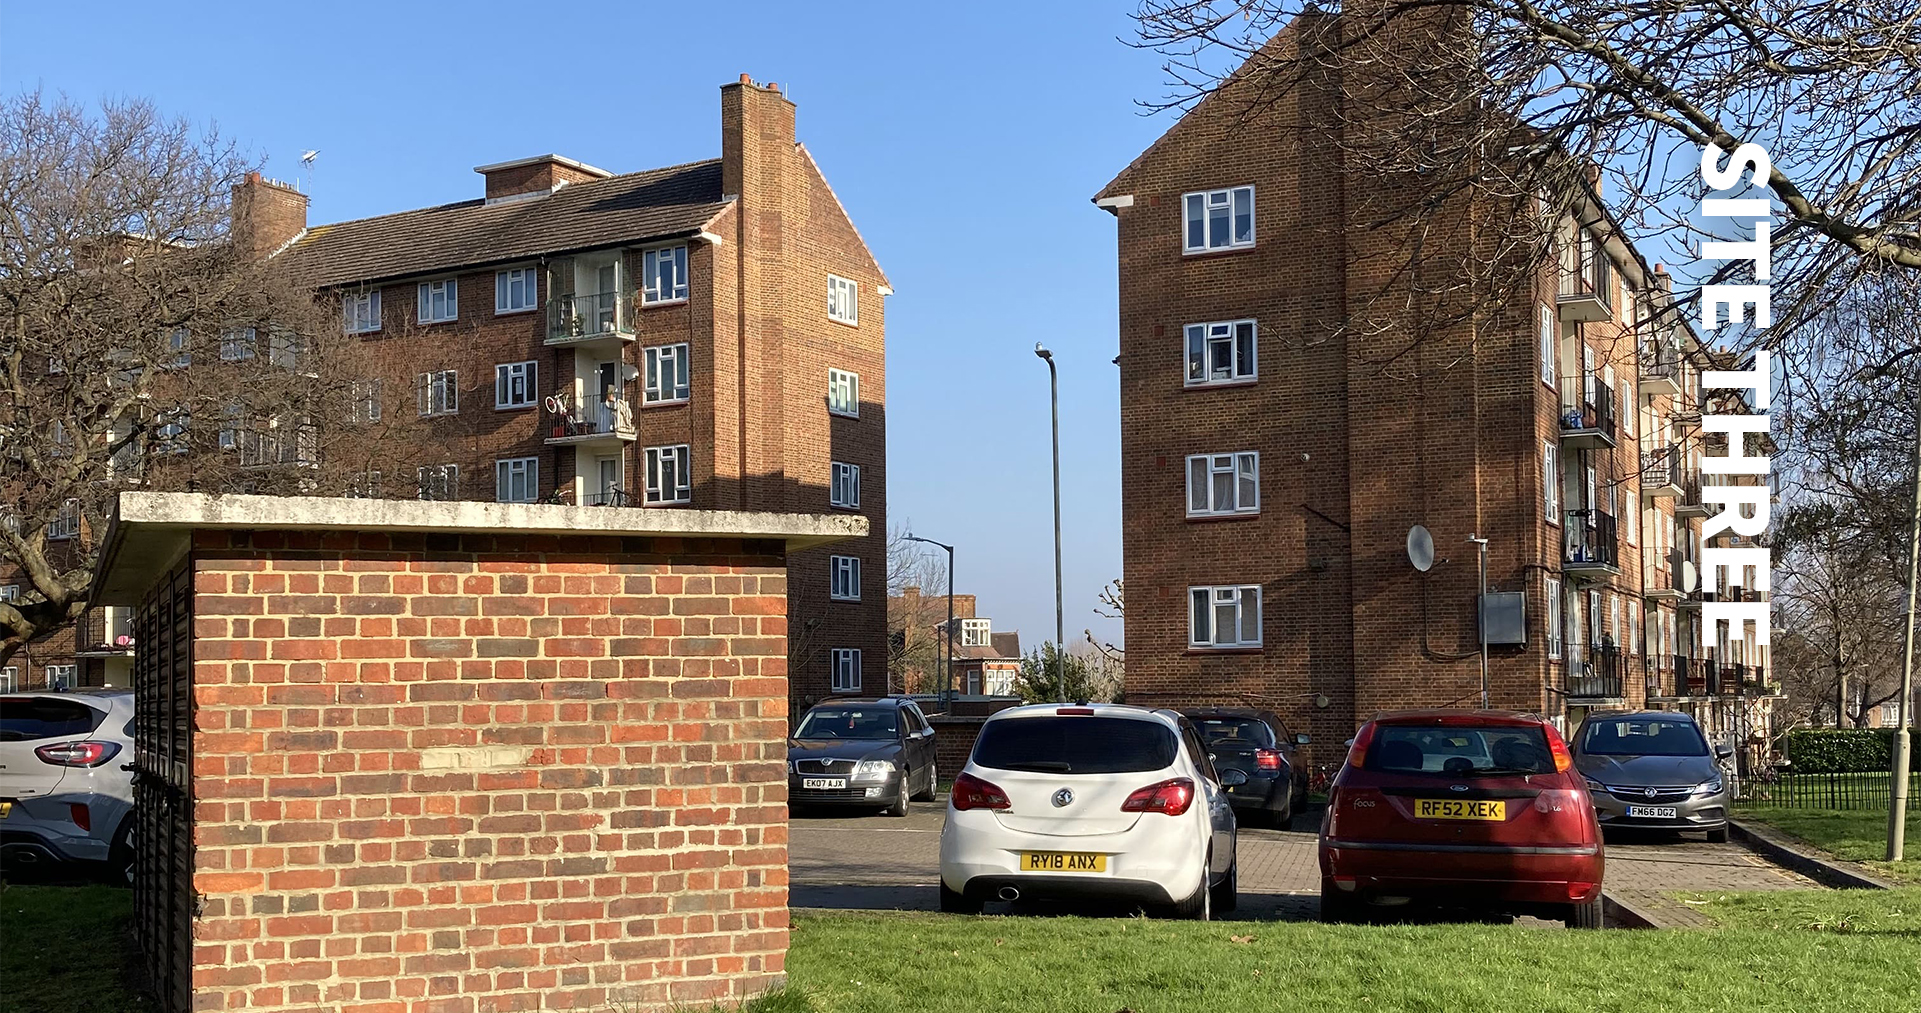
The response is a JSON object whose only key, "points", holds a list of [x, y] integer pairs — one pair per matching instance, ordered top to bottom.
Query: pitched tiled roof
{"points": [[658, 203], [1008, 644]]}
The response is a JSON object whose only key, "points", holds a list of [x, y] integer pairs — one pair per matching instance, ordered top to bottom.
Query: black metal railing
{"points": [[1595, 278], [587, 315], [1660, 359], [1586, 406], [570, 416], [1661, 467], [610, 497], [1591, 540], [101, 630], [1602, 673], [1657, 675], [1689, 677], [1784, 789]]}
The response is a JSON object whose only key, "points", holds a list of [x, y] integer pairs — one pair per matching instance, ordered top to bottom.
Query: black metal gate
{"points": [[163, 796]]}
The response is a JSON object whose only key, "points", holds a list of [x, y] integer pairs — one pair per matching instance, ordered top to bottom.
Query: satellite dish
{"points": [[1420, 548], [1689, 579]]}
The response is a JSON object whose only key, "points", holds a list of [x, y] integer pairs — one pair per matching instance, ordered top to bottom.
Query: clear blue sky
{"points": [[965, 139]]}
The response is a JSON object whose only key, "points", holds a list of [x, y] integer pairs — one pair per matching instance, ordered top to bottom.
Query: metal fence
{"points": [[1853, 791]]}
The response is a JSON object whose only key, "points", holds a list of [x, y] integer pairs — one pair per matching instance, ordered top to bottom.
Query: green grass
{"points": [[1857, 835], [1845, 912], [63, 950]]}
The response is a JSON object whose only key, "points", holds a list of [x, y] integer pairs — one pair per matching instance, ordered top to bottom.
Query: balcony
{"points": [[1588, 294], [590, 319], [1660, 370], [1587, 414], [573, 421], [1661, 473], [610, 498], [1689, 504], [1592, 548], [1665, 584], [104, 632], [1658, 675], [1601, 676]]}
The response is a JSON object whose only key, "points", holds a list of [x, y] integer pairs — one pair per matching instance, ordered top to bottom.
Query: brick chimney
{"points": [[756, 138], [539, 174], [267, 214]]}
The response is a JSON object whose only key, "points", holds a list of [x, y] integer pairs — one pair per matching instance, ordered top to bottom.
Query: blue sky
{"points": [[965, 143]]}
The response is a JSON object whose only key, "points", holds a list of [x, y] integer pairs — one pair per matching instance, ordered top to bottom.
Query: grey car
{"points": [[1653, 770]]}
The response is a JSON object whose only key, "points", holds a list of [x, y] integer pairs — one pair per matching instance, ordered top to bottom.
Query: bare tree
{"points": [[1112, 605], [914, 645]]}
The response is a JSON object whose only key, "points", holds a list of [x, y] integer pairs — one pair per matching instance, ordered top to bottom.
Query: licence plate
{"points": [[823, 782], [5, 808], [1459, 809], [1652, 812], [1062, 861]]}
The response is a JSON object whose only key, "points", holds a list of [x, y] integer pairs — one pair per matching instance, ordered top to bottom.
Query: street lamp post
{"points": [[1480, 614], [1060, 622], [947, 662]]}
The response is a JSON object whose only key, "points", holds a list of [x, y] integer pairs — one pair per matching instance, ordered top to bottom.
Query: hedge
{"points": [[1830, 750]]}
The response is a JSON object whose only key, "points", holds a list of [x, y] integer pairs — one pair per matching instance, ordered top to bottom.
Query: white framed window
{"points": [[1218, 219], [663, 276], [515, 291], [843, 300], [439, 301], [360, 311], [180, 343], [238, 343], [1221, 352], [1548, 365], [666, 374], [514, 384], [438, 392], [843, 393], [1625, 398], [366, 401], [234, 416], [170, 432], [669, 474], [517, 480], [439, 481], [1551, 481], [1224, 484], [363, 485], [845, 490], [1632, 519], [66, 522], [845, 578], [9, 592], [1226, 616], [1593, 617], [1553, 619], [1615, 628], [1633, 631], [976, 632], [845, 669], [62, 676], [10, 679]]}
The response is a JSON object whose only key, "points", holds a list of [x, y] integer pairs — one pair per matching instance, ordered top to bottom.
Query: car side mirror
{"points": [[1302, 740], [1722, 751], [1232, 777]]}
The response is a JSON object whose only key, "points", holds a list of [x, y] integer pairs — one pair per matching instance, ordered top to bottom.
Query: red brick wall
{"points": [[487, 773]]}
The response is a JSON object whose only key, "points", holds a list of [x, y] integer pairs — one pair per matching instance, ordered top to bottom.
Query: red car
{"points": [[1463, 808]]}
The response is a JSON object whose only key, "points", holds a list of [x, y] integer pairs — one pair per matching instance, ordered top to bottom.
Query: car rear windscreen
{"points": [[24, 719], [1251, 733], [1642, 737], [1076, 745], [1460, 750]]}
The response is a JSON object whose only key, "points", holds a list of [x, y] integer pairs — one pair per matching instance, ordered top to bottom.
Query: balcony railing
{"points": [[1587, 294], [584, 316], [1660, 368], [1587, 410], [570, 418], [1661, 471], [610, 497], [1591, 542], [102, 631], [1602, 674]]}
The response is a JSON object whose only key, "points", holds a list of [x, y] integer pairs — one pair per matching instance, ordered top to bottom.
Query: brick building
{"points": [[1273, 464], [984, 661]]}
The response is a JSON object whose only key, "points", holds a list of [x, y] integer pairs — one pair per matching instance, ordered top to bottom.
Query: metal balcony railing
{"points": [[1595, 278], [587, 315], [1659, 359], [1586, 407], [568, 416], [1661, 467], [610, 497], [1591, 540], [104, 630], [1603, 673], [1688, 677]]}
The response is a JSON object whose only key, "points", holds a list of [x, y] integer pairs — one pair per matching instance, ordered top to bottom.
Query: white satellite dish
{"points": [[1420, 548], [1689, 579]]}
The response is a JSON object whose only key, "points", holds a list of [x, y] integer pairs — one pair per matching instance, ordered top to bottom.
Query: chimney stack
{"points": [[536, 175], [267, 215]]}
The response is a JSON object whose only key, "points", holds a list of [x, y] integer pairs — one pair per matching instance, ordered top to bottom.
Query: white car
{"points": [[66, 780], [1098, 802]]}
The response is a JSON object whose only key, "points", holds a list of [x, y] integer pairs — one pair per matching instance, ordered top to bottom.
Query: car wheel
{"points": [[927, 793], [899, 808], [1282, 818], [120, 858], [1227, 893], [957, 903], [1200, 906], [1337, 907], [1584, 916]]}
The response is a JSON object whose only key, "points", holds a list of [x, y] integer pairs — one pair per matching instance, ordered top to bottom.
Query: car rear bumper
{"points": [[1258, 793], [42, 828], [1152, 862], [1467, 874]]}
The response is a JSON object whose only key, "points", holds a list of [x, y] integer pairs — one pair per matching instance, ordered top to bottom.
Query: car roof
{"points": [[67, 694], [871, 701], [1108, 710], [1230, 712], [1456, 716], [1675, 716]]}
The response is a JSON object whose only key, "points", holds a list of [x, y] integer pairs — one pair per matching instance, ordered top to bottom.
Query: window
{"points": [[1219, 219], [663, 275], [515, 291], [843, 300], [439, 301], [360, 312], [180, 343], [237, 344], [1547, 345], [286, 349], [1221, 352], [667, 371], [514, 384], [438, 392], [843, 393], [366, 399], [234, 415], [170, 432], [669, 478], [517, 480], [439, 481], [1551, 481], [1223, 484], [364, 485], [845, 491], [1633, 520], [66, 522], [846, 578], [10, 592], [1224, 616], [1593, 618], [1614, 618], [1553, 619], [1633, 631], [976, 632], [846, 670], [61, 676], [10, 679], [1051, 744]]}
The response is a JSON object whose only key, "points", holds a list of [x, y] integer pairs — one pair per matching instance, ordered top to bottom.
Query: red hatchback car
{"points": [[1464, 808]]}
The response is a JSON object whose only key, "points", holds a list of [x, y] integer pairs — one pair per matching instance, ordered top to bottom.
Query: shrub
{"points": [[1831, 750]]}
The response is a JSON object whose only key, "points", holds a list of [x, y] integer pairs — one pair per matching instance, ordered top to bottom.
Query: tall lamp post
{"points": [[1060, 622], [947, 661]]}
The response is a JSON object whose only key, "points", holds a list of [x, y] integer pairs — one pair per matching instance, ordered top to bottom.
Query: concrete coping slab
{"points": [[150, 531]]}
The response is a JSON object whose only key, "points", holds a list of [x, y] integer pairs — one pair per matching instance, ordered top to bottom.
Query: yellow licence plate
{"points": [[5, 808], [1459, 809], [1062, 861]]}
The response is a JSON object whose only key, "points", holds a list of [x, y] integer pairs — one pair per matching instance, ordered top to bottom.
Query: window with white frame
{"points": [[1218, 219], [663, 275], [515, 291], [843, 300], [439, 301], [360, 311], [180, 343], [237, 343], [1548, 351], [1221, 352], [666, 374], [514, 384], [438, 392], [843, 393], [366, 401], [233, 420], [170, 432], [669, 474], [517, 480], [439, 481], [1551, 481], [1223, 484], [363, 485], [845, 490], [1633, 519], [66, 522], [845, 582], [9, 592], [1227, 616], [1593, 618], [1553, 619], [1615, 628], [1633, 631], [976, 632], [846, 669], [61, 676], [10, 679]]}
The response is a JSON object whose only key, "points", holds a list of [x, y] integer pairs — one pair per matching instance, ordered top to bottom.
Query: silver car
{"points": [[1653, 770], [66, 781]]}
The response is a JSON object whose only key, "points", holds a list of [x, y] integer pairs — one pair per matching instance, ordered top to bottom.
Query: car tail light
{"points": [[1082, 711], [1558, 746], [1357, 753], [77, 754], [1267, 759], [971, 792], [1171, 797], [82, 816], [1581, 891]]}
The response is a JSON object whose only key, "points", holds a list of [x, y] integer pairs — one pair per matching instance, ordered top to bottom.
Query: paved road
{"points": [[885, 863]]}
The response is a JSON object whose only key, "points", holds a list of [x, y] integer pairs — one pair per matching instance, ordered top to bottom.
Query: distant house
{"points": [[983, 662]]}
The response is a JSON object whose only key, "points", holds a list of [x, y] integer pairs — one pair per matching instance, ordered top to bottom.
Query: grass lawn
{"points": [[1855, 835], [1875, 912], [62, 950]]}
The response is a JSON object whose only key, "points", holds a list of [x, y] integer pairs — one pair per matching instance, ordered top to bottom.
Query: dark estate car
{"points": [[1257, 743], [866, 752], [1653, 770]]}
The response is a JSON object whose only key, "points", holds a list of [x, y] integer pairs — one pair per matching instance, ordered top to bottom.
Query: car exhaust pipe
{"points": [[1008, 893]]}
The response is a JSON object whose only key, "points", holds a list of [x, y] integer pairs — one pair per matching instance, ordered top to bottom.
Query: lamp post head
{"points": [[1041, 350]]}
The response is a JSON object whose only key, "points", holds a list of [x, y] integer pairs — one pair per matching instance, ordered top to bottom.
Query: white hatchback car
{"points": [[66, 780], [1099, 802]]}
